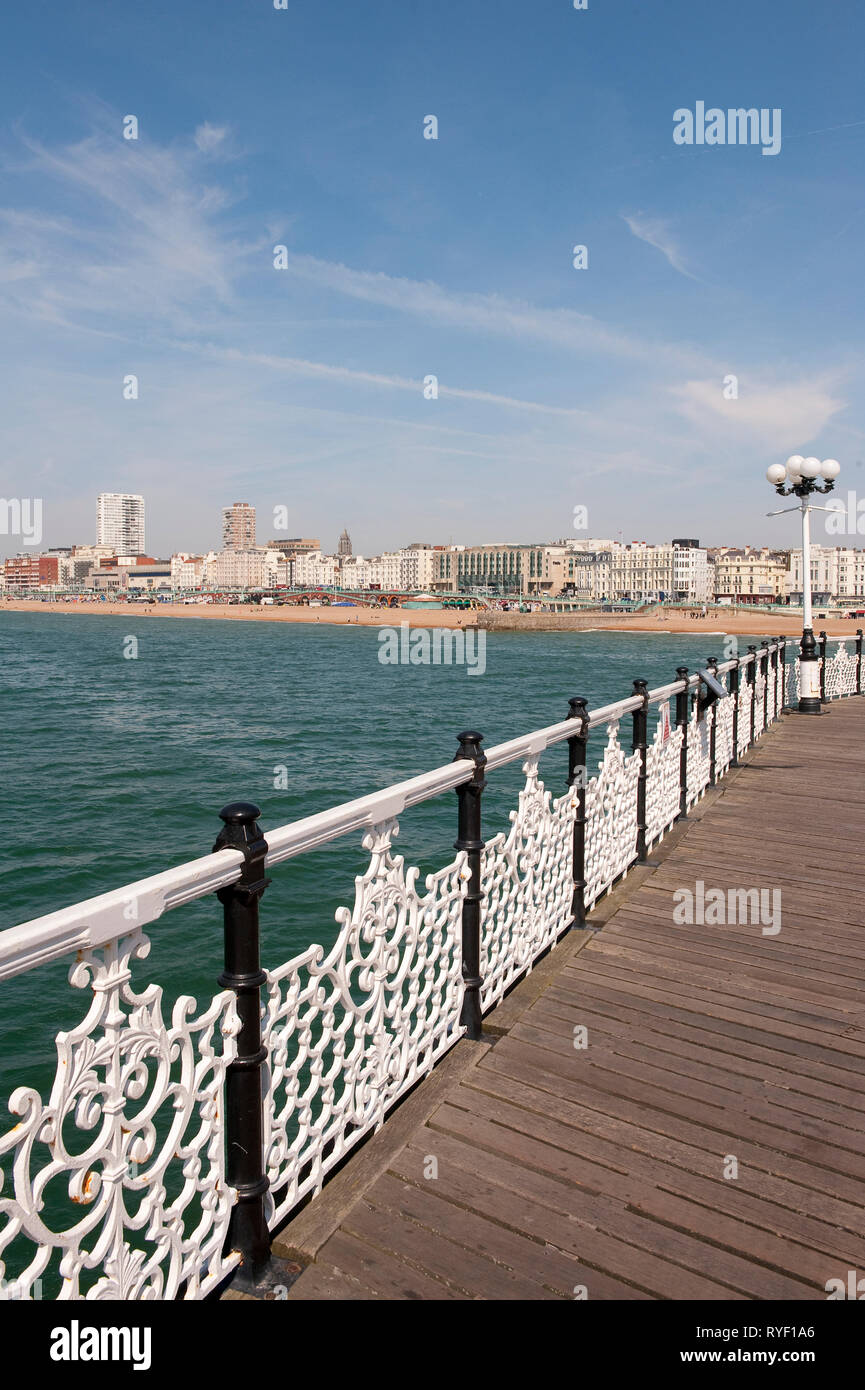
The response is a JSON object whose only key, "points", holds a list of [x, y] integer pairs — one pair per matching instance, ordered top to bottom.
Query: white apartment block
{"points": [[120, 522], [238, 569], [314, 570], [187, 571], [677, 572], [837, 574]]}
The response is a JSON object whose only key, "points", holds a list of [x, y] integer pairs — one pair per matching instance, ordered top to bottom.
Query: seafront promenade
{"points": [[750, 623], [708, 1141]]}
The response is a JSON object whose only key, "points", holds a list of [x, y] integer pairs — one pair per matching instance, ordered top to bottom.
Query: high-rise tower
{"points": [[120, 522], [238, 526]]}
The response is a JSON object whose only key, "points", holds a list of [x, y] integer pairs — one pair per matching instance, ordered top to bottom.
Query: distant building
{"points": [[120, 522], [238, 527], [296, 545], [344, 549], [187, 571], [30, 572], [749, 576]]}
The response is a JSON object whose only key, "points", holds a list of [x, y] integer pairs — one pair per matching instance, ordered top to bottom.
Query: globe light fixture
{"points": [[801, 475]]}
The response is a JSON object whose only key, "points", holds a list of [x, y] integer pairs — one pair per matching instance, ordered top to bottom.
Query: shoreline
{"points": [[736, 623]]}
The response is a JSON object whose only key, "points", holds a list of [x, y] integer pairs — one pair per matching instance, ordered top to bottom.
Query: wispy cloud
{"points": [[656, 232], [489, 313], [301, 367], [780, 417]]}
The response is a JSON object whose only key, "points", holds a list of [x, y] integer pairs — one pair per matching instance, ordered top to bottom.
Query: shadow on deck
{"points": [[707, 1142]]}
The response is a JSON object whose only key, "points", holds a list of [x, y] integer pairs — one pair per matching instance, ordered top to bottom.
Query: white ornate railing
{"points": [[118, 1185]]}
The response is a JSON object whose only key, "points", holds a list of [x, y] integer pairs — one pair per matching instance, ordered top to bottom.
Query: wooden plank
{"points": [[305, 1235]]}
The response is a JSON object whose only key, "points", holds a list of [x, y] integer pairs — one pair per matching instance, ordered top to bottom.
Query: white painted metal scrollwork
{"points": [[840, 673], [793, 683], [771, 688], [760, 696], [746, 699], [723, 733], [699, 753], [663, 759], [611, 817], [527, 882], [347, 1033], [139, 1210]]}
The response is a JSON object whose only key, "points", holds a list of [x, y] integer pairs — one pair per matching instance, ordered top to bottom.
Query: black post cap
{"points": [[240, 813]]}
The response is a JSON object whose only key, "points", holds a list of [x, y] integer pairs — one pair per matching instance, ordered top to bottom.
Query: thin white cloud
{"points": [[209, 137], [656, 232], [489, 313], [302, 367]]}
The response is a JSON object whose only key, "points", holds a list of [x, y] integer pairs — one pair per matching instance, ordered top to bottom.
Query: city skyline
{"points": [[159, 340]]}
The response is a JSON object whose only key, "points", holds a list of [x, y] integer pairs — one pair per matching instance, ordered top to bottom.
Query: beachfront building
{"points": [[120, 522], [238, 527], [239, 569], [505, 569], [187, 571], [316, 571], [676, 571], [23, 572], [837, 575], [750, 576], [150, 578]]}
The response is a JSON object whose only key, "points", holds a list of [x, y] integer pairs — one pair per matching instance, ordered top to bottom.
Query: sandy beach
{"points": [[751, 623]]}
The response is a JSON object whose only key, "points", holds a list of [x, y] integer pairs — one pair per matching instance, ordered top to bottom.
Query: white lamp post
{"points": [[802, 474]]}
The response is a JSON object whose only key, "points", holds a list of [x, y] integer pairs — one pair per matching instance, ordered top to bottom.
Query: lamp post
{"points": [[802, 474]]}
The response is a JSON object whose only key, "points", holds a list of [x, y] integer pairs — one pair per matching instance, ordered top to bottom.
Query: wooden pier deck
{"points": [[559, 1169]]}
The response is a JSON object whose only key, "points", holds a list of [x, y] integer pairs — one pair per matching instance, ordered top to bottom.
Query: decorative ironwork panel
{"points": [[840, 673], [792, 685], [746, 699], [760, 699], [771, 704], [723, 734], [699, 753], [663, 757], [611, 817], [527, 882], [349, 1032], [142, 1199]]}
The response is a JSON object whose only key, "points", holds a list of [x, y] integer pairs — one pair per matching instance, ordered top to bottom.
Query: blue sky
{"points": [[408, 257]]}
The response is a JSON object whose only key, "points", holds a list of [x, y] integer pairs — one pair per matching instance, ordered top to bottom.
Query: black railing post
{"points": [[822, 653], [858, 661], [712, 663], [782, 666], [752, 681], [734, 691], [682, 703], [578, 708], [776, 708], [640, 745], [469, 839], [244, 1119]]}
